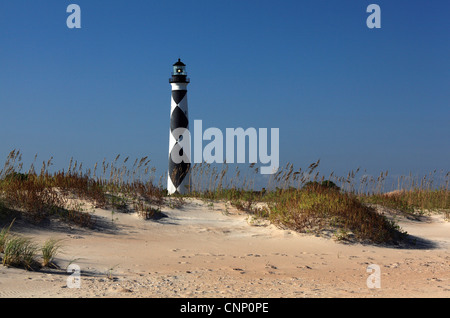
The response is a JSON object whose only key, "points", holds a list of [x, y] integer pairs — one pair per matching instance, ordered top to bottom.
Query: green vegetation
{"points": [[41, 196], [302, 200], [305, 201], [412, 202], [308, 210], [4, 233], [49, 251], [19, 252]]}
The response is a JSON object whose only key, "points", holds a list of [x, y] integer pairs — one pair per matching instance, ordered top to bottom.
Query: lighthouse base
{"points": [[183, 188]]}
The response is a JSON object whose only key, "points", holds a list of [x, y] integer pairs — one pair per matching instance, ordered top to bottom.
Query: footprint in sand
{"points": [[271, 266], [304, 267], [240, 270]]}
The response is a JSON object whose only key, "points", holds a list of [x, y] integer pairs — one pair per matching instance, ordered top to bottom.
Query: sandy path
{"points": [[204, 251]]}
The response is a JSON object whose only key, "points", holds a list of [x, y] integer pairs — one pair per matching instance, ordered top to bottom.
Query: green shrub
{"points": [[315, 185], [306, 210], [49, 251], [19, 252]]}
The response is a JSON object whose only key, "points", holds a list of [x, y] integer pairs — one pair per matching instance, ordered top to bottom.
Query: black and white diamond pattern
{"points": [[179, 122]]}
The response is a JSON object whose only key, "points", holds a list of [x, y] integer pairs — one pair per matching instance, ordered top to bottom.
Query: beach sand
{"points": [[203, 250]]}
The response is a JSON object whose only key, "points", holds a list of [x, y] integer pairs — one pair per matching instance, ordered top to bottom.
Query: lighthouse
{"points": [[179, 140]]}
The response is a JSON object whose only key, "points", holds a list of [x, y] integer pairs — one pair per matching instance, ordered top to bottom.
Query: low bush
{"points": [[328, 209]]}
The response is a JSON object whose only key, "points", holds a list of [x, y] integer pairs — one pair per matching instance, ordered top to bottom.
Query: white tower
{"points": [[179, 160]]}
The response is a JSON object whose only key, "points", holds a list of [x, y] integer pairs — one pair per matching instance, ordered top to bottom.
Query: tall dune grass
{"points": [[43, 195], [299, 198], [327, 209], [4, 234], [49, 250], [19, 252]]}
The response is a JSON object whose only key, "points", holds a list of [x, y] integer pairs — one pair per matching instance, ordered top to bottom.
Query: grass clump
{"points": [[39, 196], [300, 199], [412, 202], [328, 209], [146, 211], [4, 233], [49, 251], [19, 252]]}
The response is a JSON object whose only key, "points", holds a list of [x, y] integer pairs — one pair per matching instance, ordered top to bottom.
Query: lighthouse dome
{"points": [[179, 63]]}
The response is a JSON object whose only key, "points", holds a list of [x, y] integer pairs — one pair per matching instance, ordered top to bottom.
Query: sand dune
{"points": [[201, 250]]}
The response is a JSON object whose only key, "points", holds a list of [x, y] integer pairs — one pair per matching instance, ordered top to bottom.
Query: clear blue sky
{"points": [[378, 99]]}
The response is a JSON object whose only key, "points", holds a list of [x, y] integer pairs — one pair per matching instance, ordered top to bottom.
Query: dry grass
{"points": [[44, 195], [301, 199], [306, 201], [326, 209]]}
